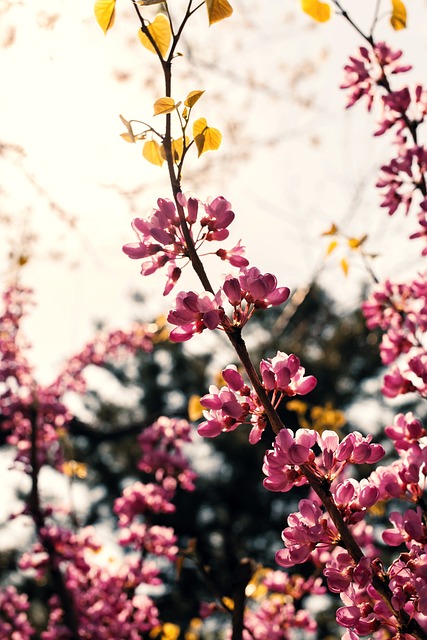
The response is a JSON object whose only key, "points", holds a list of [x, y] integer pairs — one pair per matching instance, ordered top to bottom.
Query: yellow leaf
{"points": [[218, 10], [319, 11], [104, 13], [398, 16], [160, 31], [192, 98], [164, 105], [129, 137], [206, 138], [177, 149], [152, 152], [331, 231], [355, 243], [331, 247], [344, 266], [195, 409], [72, 468], [228, 603], [170, 631]]}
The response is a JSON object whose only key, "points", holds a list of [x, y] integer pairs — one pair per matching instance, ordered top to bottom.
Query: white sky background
{"points": [[61, 98]]}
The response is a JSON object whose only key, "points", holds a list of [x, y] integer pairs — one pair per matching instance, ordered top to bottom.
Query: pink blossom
{"points": [[368, 69], [161, 240], [194, 313], [284, 373], [306, 529]]}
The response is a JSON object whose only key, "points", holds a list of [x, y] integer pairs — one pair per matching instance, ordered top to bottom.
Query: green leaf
{"points": [[105, 13]]}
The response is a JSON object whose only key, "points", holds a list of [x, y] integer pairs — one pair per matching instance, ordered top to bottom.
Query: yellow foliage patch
{"points": [[218, 10], [319, 11], [105, 13], [398, 16], [160, 31], [192, 98], [164, 105], [206, 138], [152, 152], [344, 266], [195, 409]]}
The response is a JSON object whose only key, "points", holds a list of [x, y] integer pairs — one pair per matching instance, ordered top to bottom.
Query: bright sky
{"points": [[62, 96]]}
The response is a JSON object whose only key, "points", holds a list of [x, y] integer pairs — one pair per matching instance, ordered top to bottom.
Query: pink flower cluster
{"points": [[368, 69], [403, 111], [161, 239], [251, 290], [400, 311], [24, 402], [235, 404], [162, 447], [282, 464], [93, 597], [105, 598], [278, 612], [13, 615]]}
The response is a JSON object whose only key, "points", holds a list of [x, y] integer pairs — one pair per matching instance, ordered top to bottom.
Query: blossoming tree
{"points": [[333, 530]]}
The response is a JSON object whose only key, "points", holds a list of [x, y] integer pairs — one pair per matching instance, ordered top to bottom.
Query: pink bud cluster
{"points": [[368, 69], [403, 111], [161, 240], [251, 290], [400, 311], [23, 402], [235, 404], [163, 452], [163, 456], [282, 464], [93, 597], [105, 597], [280, 611], [14, 623]]}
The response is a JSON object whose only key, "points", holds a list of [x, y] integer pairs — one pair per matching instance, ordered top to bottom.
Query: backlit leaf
{"points": [[218, 10], [319, 11], [104, 13], [398, 16], [161, 33], [192, 98], [164, 105], [129, 137], [206, 138], [177, 149], [152, 152], [333, 229], [355, 243], [332, 245], [344, 266], [195, 409], [170, 631]]}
